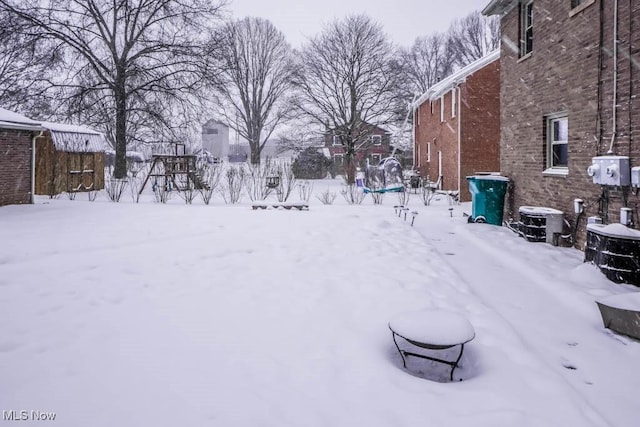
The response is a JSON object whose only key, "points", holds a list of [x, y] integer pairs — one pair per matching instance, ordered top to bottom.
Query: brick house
{"points": [[567, 95], [457, 126], [17, 136], [372, 143]]}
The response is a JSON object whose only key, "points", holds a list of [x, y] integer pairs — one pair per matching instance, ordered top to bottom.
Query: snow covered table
{"points": [[301, 206], [433, 330]]}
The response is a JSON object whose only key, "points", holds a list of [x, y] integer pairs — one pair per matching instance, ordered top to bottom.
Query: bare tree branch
{"points": [[473, 37], [129, 59], [426, 62], [253, 73], [347, 81]]}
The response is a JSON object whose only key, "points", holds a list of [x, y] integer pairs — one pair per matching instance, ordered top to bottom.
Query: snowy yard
{"points": [[175, 315]]}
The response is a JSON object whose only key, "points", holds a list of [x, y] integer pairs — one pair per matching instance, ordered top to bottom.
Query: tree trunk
{"points": [[255, 153], [350, 167], [120, 170]]}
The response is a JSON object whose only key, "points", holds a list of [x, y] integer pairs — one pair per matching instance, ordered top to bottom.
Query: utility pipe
{"points": [[615, 73], [459, 113], [33, 165]]}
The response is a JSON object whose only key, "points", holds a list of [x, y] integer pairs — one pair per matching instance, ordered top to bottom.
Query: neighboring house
{"points": [[569, 85], [457, 126], [17, 139], [215, 139], [373, 144], [69, 159]]}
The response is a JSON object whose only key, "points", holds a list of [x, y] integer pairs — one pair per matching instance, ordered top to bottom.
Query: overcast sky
{"points": [[403, 20]]}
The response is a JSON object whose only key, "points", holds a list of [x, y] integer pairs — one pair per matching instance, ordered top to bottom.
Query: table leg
{"points": [[404, 363], [455, 364]]}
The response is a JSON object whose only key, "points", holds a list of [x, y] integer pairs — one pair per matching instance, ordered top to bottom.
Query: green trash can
{"points": [[487, 198]]}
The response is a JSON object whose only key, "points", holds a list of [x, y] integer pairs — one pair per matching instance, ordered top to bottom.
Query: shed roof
{"points": [[440, 88], [13, 120], [74, 138]]}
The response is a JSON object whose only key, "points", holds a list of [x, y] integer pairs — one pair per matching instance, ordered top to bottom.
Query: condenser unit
{"points": [[539, 224]]}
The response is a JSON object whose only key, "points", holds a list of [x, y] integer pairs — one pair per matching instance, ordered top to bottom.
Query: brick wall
{"points": [[569, 70], [477, 119], [480, 125], [15, 167]]}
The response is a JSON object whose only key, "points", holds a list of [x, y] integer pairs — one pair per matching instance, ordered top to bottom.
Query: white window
{"points": [[578, 6], [526, 27], [453, 102], [431, 105], [442, 108], [417, 119], [557, 130], [376, 139], [336, 140], [429, 150], [418, 156], [338, 159], [375, 159]]}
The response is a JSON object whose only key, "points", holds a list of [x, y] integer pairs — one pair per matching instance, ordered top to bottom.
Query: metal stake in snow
{"points": [[451, 212], [405, 213], [414, 214]]}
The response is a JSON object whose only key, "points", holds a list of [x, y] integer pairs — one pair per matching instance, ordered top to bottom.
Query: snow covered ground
{"points": [[193, 315]]}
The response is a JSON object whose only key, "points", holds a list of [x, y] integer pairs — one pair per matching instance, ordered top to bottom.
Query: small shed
{"points": [[17, 134], [69, 159]]}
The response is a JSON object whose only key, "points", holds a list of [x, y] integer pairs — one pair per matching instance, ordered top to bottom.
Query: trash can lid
{"points": [[489, 177]]}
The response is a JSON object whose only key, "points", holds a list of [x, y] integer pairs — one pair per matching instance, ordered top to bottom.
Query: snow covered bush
{"points": [[114, 188], [305, 189], [232, 190], [352, 194], [327, 197]]}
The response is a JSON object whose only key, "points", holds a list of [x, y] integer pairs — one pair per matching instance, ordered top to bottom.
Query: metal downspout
{"points": [[615, 74], [459, 112], [33, 165]]}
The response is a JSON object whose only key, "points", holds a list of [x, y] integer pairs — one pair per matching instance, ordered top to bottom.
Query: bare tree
{"points": [[472, 37], [134, 55], [426, 62], [25, 66], [252, 74], [347, 82], [298, 137]]}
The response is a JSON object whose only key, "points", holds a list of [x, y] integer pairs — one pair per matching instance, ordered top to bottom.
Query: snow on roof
{"points": [[497, 7], [440, 88], [13, 120], [62, 127], [75, 138]]}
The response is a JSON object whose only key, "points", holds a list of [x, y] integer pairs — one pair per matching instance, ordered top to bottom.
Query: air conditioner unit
{"points": [[539, 224]]}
